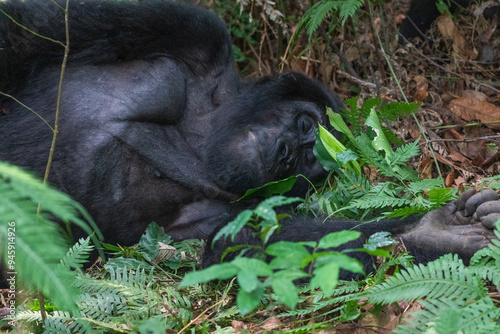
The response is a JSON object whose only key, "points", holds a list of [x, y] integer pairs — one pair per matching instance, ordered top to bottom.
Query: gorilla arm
{"points": [[462, 227]]}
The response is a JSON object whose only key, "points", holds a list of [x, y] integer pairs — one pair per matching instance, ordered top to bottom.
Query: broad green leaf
{"points": [[338, 123], [380, 142], [333, 146], [347, 156], [325, 159], [270, 189], [280, 200], [266, 212], [336, 239], [149, 242], [287, 254], [348, 263], [259, 267], [217, 271], [326, 277], [248, 280], [285, 290], [247, 302]]}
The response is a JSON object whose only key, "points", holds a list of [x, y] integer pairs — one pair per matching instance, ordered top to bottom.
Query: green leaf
{"points": [[338, 123], [380, 142], [333, 146], [347, 156], [325, 159], [269, 189], [235, 226], [336, 239], [379, 240], [149, 242], [287, 254], [259, 267], [217, 271], [326, 277], [248, 280], [284, 288], [247, 302]]}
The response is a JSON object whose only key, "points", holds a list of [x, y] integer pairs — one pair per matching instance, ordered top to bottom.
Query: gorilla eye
{"points": [[305, 124]]}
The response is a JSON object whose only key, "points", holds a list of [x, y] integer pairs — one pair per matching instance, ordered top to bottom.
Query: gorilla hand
{"points": [[462, 227]]}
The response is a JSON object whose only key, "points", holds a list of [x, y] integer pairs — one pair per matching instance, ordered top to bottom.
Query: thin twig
{"points": [[59, 95], [25, 106], [465, 140], [199, 316]]}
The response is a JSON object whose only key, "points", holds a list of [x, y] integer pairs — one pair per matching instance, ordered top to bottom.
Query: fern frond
{"points": [[348, 8], [316, 14], [369, 104], [393, 110], [351, 114], [404, 153], [424, 185], [439, 196], [379, 201], [407, 211], [39, 245], [78, 254], [489, 271], [446, 277], [102, 306], [453, 316], [62, 322]]}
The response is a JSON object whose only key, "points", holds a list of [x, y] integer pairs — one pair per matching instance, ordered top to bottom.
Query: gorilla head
{"points": [[267, 134]]}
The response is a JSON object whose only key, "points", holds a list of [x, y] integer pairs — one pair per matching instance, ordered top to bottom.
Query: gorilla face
{"points": [[277, 144]]}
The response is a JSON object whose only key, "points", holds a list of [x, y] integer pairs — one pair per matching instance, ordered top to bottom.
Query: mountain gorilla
{"points": [[155, 125]]}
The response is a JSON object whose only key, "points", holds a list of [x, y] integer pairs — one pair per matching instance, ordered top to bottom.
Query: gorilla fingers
{"points": [[462, 227]]}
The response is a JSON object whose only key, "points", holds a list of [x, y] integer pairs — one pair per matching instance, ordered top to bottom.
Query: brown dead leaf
{"points": [[448, 30], [421, 92], [474, 94], [470, 109], [457, 156], [426, 168], [450, 178], [460, 181], [271, 323], [238, 326]]}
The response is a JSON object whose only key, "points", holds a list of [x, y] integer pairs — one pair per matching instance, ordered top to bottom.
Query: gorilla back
{"points": [[155, 124]]}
